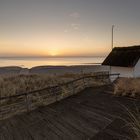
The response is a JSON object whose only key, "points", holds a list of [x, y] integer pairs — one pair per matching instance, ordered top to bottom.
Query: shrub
{"points": [[21, 83], [17, 84], [127, 87], [133, 121]]}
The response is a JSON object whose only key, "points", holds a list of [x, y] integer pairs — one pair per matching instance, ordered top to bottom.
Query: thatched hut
{"points": [[124, 60]]}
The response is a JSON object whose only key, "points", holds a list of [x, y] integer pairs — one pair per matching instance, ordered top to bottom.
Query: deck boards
{"points": [[91, 114]]}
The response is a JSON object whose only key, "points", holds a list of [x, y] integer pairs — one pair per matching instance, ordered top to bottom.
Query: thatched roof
{"points": [[123, 57]]}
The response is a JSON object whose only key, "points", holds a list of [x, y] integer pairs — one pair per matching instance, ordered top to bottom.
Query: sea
{"points": [[49, 61]]}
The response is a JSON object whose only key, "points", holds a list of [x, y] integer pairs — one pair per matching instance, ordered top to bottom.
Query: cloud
{"points": [[75, 15], [75, 26], [72, 27], [66, 31]]}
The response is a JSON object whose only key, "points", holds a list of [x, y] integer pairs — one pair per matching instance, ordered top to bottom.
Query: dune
{"points": [[10, 70], [53, 70], [58, 70]]}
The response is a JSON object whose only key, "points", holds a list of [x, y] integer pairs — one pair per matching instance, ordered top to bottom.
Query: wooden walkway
{"points": [[92, 114]]}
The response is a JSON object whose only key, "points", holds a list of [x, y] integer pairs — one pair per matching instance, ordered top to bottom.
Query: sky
{"points": [[67, 27]]}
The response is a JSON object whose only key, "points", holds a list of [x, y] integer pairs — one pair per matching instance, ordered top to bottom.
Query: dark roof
{"points": [[123, 56]]}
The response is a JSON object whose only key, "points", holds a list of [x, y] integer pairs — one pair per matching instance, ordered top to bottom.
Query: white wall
{"points": [[137, 69], [124, 71]]}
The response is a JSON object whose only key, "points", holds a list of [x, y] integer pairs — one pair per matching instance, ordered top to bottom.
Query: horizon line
{"points": [[49, 56]]}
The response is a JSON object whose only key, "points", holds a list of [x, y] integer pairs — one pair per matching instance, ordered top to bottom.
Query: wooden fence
{"points": [[26, 102]]}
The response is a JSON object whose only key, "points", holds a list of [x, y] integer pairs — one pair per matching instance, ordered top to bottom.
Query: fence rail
{"points": [[26, 102]]}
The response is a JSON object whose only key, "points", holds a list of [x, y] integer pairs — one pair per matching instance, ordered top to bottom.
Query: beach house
{"points": [[124, 60]]}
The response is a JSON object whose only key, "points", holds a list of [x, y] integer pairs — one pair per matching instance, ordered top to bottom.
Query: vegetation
{"points": [[21, 83], [17, 84], [127, 87], [130, 87], [134, 121], [135, 124]]}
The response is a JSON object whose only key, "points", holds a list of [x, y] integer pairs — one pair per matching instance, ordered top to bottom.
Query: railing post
{"points": [[118, 75], [84, 82], [56, 90], [73, 90], [27, 102], [10, 106]]}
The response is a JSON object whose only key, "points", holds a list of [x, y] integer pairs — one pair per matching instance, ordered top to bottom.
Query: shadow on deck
{"points": [[92, 114]]}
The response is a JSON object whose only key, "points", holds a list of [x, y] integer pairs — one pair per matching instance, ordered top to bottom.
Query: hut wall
{"points": [[137, 69], [124, 71]]}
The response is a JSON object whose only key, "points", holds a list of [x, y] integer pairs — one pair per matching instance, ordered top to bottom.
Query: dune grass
{"points": [[20, 83], [17, 84], [127, 87], [130, 87], [133, 121], [135, 124]]}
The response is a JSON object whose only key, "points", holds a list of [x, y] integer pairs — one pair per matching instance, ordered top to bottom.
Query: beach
{"points": [[53, 70]]}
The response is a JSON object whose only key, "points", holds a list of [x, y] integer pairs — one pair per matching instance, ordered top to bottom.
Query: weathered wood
{"points": [[16, 104], [92, 114]]}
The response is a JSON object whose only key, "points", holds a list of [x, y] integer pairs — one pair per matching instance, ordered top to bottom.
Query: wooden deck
{"points": [[92, 114]]}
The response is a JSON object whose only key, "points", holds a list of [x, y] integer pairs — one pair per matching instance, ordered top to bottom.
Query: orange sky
{"points": [[67, 28]]}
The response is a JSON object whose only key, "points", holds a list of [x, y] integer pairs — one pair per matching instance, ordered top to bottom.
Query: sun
{"points": [[53, 53]]}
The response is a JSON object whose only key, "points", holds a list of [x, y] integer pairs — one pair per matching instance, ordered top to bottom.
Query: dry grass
{"points": [[20, 83], [17, 84], [127, 87], [130, 87], [134, 121], [135, 124]]}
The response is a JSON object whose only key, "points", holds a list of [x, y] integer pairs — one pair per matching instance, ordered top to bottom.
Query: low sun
{"points": [[53, 53]]}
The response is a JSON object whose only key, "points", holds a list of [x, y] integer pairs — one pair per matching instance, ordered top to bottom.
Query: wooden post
{"points": [[84, 82], [73, 88], [55, 93], [27, 103]]}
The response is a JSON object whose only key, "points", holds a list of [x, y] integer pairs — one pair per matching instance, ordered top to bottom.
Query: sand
{"points": [[54, 70]]}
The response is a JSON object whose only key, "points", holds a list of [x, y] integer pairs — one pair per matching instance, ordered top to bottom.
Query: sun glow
{"points": [[53, 53]]}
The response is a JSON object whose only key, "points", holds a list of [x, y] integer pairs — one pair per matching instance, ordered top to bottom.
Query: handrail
{"points": [[63, 84], [25, 102]]}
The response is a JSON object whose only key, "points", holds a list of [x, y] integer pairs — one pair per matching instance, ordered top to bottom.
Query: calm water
{"points": [[31, 62]]}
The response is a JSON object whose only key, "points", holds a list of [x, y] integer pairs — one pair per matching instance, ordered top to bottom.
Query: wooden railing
{"points": [[26, 102]]}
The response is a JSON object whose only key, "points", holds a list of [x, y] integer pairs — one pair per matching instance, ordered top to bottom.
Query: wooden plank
{"points": [[90, 114], [67, 131]]}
